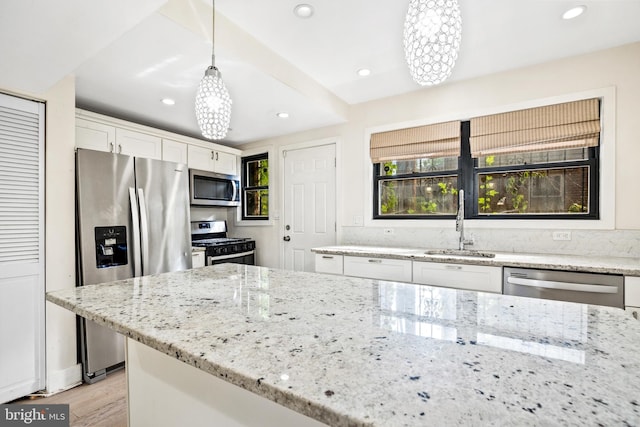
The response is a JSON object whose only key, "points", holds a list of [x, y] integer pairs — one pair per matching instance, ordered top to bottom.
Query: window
{"points": [[539, 163], [416, 171], [255, 187]]}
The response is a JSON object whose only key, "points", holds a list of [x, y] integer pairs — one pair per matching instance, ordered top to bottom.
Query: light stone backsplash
{"points": [[617, 243]]}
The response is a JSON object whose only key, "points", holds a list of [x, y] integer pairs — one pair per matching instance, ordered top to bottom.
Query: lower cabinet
{"points": [[197, 259], [331, 264], [398, 270], [460, 276], [632, 295]]}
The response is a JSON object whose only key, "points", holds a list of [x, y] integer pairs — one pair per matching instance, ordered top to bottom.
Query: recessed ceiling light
{"points": [[303, 11], [574, 12], [364, 72], [168, 101], [283, 115]]}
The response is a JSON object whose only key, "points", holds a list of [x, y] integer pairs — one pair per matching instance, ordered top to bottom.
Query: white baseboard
{"points": [[63, 379]]}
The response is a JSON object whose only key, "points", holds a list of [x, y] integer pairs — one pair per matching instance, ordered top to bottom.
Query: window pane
{"points": [[517, 159], [405, 167], [257, 173], [541, 191], [419, 196], [256, 203]]}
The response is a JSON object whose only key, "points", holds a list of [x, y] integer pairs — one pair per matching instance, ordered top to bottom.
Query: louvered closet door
{"points": [[21, 247]]}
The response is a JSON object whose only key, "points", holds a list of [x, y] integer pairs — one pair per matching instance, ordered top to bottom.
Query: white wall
{"points": [[618, 68], [62, 367]]}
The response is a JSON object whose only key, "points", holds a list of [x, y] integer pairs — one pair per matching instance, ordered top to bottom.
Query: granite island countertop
{"points": [[590, 264], [351, 351]]}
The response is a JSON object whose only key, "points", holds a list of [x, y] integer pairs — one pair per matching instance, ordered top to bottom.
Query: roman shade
{"points": [[553, 127], [436, 140]]}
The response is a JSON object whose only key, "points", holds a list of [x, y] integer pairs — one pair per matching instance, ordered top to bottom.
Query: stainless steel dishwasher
{"points": [[587, 288]]}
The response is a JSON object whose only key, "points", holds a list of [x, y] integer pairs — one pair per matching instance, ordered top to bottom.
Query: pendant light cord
{"points": [[213, 33]]}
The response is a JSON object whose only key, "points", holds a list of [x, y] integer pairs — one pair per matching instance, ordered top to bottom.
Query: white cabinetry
{"points": [[95, 136], [104, 137], [138, 144], [174, 151], [211, 159], [197, 258], [331, 264], [398, 270], [460, 276], [632, 295]]}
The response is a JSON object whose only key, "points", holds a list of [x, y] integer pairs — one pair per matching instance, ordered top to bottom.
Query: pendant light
{"points": [[432, 34], [213, 103]]}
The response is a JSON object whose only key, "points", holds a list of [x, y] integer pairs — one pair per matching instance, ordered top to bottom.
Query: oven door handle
{"points": [[219, 257], [564, 286]]}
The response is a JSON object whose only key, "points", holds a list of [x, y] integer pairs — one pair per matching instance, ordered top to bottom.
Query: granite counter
{"points": [[590, 264], [350, 351]]}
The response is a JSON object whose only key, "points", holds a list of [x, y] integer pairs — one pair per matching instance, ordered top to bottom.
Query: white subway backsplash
{"points": [[617, 243]]}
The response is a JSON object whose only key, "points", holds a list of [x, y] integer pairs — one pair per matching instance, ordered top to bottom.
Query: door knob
{"points": [[286, 238]]}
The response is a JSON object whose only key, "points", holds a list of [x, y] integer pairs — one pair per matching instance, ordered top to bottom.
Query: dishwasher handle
{"points": [[564, 286]]}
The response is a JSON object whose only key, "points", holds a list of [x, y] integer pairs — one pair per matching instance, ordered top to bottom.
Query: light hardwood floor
{"points": [[103, 404]]}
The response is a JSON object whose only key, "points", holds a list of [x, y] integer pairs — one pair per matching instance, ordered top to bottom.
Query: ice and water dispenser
{"points": [[111, 246]]}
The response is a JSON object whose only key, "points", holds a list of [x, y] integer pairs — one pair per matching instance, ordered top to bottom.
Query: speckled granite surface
{"points": [[612, 265], [350, 351]]}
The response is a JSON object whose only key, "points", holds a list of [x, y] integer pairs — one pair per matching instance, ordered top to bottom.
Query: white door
{"points": [[309, 204], [22, 336]]}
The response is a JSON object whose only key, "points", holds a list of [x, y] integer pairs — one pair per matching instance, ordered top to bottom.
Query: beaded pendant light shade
{"points": [[432, 35], [213, 103]]}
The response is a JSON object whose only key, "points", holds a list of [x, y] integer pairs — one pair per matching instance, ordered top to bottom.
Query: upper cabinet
{"points": [[103, 133], [95, 136], [104, 137], [138, 144], [174, 151], [213, 160]]}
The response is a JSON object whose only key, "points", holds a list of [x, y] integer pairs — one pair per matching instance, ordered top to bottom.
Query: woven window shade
{"points": [[554, 127], [437, 140]]}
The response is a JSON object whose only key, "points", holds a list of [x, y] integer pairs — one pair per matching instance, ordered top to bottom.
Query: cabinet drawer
{"points": [[331, 264], [398, 270], [459, 276], [632, 291]]}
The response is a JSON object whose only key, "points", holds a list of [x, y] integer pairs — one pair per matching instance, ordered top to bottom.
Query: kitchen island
{"points": [[350, 351]]}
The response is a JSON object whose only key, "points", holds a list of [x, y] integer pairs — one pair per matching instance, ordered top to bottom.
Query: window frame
{"points": [[468, 175], [244, 187]]}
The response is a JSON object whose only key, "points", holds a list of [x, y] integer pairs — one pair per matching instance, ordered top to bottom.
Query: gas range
{"points": [[212, 235]]}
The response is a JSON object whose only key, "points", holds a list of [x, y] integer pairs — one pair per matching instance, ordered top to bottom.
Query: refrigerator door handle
{"points": [[135, 221], [144, 231]]}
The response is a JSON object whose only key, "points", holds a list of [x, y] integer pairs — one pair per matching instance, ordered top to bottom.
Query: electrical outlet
{"points": [[358, 220], [388, 231], [561, 235]]}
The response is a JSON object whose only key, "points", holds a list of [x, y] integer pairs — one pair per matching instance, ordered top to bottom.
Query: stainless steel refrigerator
{"points": [[132, 220]]}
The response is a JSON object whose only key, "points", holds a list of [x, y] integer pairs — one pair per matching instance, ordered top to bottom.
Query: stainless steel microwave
{"points": [[213, 189]]}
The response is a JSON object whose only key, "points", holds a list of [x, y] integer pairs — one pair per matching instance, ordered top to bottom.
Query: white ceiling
{"points": [[127, 56]]}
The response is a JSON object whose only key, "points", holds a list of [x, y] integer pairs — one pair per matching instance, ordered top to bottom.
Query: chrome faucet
{"points": [[460, 223]]}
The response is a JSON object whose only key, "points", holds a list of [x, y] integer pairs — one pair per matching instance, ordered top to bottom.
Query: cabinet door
{"points": [[95, 136], [138, 144], [174, 151], [200, 158], [225, 163], [197, 259], [331, 264], [398, 270], [459, 276], [632, 291]]}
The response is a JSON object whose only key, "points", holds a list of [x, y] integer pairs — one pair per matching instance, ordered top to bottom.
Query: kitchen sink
{"points": [[460, 252]]}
